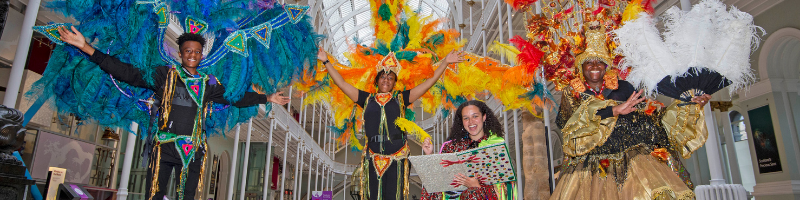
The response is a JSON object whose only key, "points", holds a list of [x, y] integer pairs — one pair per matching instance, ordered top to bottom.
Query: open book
{"points": [[490, 164]]}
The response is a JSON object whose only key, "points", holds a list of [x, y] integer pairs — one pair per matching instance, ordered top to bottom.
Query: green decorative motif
{"points": [[196, 26], [236, 42]]}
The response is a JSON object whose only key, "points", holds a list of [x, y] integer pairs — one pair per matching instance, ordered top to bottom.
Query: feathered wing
{"points": [[291, 51], [646, 53], [731, 54], [75, 85]]}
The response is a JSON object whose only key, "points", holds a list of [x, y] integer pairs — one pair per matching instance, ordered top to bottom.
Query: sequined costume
{"points": [[633, 156], [488, 192]]}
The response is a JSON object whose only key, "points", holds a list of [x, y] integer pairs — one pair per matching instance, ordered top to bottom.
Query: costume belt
{"points": [[386, 138], [183, 143], [382, 162]]}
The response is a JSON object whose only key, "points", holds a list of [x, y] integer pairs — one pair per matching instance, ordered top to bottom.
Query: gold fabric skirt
{"points": [[647, 178]]}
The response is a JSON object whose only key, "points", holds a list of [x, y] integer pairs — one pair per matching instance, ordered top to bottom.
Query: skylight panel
{"points": [[328, 3], [358, 4], [414, 4], [346, 8], [334, 17], [363, 17], [348, 25], [364, 33]]}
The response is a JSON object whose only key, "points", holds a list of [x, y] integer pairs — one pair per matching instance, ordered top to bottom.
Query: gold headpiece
{"points": [[596, 48], [389, 63]]}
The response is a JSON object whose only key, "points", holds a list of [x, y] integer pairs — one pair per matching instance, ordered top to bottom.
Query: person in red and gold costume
{"points": [[617, 144]]}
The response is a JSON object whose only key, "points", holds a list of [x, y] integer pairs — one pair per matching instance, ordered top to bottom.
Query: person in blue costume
{"points": [[183, 96]]}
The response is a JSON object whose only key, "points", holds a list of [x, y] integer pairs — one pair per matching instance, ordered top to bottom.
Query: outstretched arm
{"points": [[452, 57], [348, 89], [217, 93]]}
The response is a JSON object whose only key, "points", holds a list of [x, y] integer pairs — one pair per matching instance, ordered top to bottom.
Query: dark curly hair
{"points": [[191, 37], [492, 124]]}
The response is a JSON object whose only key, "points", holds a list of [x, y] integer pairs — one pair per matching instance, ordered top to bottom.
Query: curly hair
{"points": [[191, 37], [491, 124]]}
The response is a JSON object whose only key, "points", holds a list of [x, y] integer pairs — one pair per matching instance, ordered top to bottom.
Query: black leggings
{"points": [[169, 161], [389, 181]]}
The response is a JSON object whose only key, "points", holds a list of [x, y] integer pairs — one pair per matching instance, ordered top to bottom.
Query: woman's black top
{"points": [[372, 120]]}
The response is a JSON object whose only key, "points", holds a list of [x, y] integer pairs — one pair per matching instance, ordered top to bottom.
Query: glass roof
{"points": [[349, 20]]}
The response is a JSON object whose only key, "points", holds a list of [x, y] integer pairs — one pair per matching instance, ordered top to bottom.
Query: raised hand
{"points": [[74, 37], [322, 55], [454, 57], [278, 98], [628, 106], [427, 146]]}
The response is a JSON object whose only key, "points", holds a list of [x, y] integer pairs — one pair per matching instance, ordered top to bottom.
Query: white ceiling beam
{"points": [[352, 15]]}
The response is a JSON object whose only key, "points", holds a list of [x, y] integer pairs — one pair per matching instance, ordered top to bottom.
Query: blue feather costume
{"points": [[257, 44]]}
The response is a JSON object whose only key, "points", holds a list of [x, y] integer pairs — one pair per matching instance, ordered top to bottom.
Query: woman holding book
{"points": [[474, 126]]}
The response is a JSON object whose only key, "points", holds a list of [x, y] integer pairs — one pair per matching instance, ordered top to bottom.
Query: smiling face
{"points": [[191, 53], [593, 71], [385, 82], [473, 119]]}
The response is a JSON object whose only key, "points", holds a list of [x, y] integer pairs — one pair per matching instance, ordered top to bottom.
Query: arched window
{"points": [[737, 126]]}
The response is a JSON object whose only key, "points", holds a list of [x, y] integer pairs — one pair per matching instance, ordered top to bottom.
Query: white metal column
{"points": [[510, 21], [21, 56], [305, 113], [301, 118], [313, 120], [505, 122], [547, 130], [320, 132], [117, 147], [712, 148], [518, 152], [246, 156], [733, 160], [128, 162], [296, 168], [285, 171], [298, 173], [267, 175], [232, 176], [316, 177], [308, 182], [344, 183]]}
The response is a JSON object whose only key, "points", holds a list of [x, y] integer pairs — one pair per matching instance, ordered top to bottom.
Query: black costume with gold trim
{"points": [[182, 102], [387, 151], [633, 156]]}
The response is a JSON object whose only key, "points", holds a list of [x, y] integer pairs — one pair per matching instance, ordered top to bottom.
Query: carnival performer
{"points": [[182, 97], [381, 109], [474, 126], [618, 145]]}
